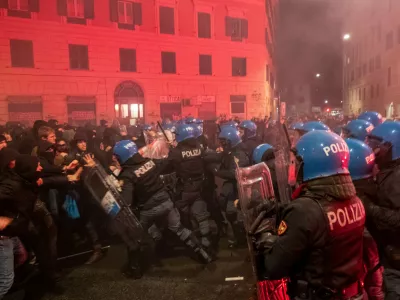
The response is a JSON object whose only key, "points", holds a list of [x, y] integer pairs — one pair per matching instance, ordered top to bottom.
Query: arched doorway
{"points": [[129, 102]]}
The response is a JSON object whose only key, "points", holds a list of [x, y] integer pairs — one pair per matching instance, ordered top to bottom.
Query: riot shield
{"points": [[158, 148], [282, 163], [255, 188], [106, 194]]}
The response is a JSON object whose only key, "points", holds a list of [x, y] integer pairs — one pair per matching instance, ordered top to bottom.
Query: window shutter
{"points": [[3, 3], [62, 7], [89, 9], [113, 10], [137, 13], [228, 26], [245, 28]]}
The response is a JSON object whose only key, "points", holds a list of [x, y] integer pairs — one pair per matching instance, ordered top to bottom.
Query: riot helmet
{"points": [[371, 116], [247, 129], [357, 129], [184, 132], [229, 137], [385, 142], [124, 150], [263, 152], [320, 154], [362, 159]]}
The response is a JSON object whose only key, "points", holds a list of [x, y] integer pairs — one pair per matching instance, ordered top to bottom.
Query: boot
{"points": [[201, 255], [96, 256], [133, 268]]}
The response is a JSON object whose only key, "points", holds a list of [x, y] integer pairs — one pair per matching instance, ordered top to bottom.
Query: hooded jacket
{"points": [[320, 237]]}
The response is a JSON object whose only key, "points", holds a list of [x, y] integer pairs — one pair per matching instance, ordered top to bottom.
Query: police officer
{"points": [[371, 116], [357, 129], [248, 131], [385, 141], [233, 150], [187, 159], [361, 168], [143, 189], [319, 242]]}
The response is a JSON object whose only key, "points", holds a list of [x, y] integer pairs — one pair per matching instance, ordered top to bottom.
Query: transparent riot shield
{"points": [[158, 148], [282, 163], [255, 188], [105, 192]]}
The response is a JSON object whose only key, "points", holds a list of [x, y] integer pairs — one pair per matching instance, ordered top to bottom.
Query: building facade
{"points": [[372, 57], [79, 60]]}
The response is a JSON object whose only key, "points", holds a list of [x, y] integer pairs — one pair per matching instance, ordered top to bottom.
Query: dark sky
{"points": [[310, 42]]}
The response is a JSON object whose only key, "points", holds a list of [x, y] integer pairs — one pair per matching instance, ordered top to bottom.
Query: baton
{"points": [[162, 130]]}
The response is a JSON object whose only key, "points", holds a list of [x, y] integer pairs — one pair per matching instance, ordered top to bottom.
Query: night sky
{"points": [[310, 42]]}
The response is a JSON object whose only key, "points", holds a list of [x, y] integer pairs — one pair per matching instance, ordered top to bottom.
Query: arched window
{"points": [[129, 101]]}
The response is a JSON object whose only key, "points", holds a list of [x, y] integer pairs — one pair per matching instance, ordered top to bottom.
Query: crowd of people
{"points": [[321, 242]]}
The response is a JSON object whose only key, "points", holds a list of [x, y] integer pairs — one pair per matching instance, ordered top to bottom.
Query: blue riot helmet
{"points": [[372, 116], [190, 120], [229, 124], [170, 126], [296, 126], [313, 126], [249, 129], [357, 129], [184, 132], [229, 137], [385, 141], [124, 150], [260, 152], [320, 154], [362, 159]]}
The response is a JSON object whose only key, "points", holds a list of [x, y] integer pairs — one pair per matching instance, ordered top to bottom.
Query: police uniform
{"points": [[187, 160], [142, 188], [319, 242]]}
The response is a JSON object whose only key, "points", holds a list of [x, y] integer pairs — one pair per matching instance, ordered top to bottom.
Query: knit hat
{"points": [[6, 156]]}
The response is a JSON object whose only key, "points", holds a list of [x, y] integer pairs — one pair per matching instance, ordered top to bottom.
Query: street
{"points": [[178, 278]]}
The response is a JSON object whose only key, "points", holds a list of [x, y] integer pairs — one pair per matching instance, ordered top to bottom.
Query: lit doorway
{"points": [[129, 103]]}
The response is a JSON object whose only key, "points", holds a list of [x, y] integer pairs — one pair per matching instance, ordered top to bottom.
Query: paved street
{"points": [[178, 278]]}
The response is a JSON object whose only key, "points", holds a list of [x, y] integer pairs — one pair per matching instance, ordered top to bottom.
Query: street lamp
{"points": [[346, 36], [318, 75], [326, 101]]}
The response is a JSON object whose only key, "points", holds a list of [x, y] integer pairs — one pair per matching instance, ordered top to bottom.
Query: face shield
{"points": [[382, 150], [295, 174]]}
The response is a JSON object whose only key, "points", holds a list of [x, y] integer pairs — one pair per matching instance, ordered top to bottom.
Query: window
{"points": [[22, 5], [75, 8], [125, 12], [167, 20], [204, 25], [236, 28], [21, 54], [78, 57], [127, 60], [168, 61], [377, 62], [205, 64], [371, 65], [238, 66], [358, 72], [267, 73], [389, 80], [377, 90], [372, 91], [359, 94], [364, 94], [238, 104]]}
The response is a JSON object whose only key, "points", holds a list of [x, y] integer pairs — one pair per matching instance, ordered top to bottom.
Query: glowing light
{"points": [[346, 37], [318, 75]]}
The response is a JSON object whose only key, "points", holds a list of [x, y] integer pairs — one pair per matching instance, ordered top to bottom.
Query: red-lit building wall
{"points": [[53, 90]]}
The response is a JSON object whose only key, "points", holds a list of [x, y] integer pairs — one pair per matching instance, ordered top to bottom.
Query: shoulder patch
{"points": [[282, 228]]}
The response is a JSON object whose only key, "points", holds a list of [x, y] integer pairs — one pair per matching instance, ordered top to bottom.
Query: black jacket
{"points": [[251, 144], [140, 179], [17, 199], [320, 238]]}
